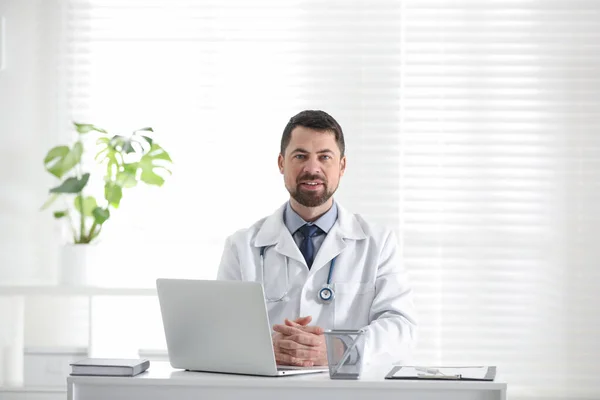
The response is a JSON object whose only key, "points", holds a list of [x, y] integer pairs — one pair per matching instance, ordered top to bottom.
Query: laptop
{"points": [[219, 326]]}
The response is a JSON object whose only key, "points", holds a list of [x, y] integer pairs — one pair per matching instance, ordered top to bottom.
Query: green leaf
{"points": [[85, 128], [148, 129], [148, 139], [117, 141], [120, 143], [128, 147], [105, 148], [158, 153], [110, 154], [102, 155], [74, 157], [54, 158], [61, 159], [149, 164], [131, 168], [151, 178], [126, 179], [72, 185], [113, 194], [50, 200], [89, 204], [60, 214], [100, 215]]}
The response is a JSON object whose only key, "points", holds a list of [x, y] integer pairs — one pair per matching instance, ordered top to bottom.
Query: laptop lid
{"points": [[216, 326]]}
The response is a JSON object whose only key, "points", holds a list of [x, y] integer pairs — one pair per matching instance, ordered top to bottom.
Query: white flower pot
{"points": [[74, 267]]}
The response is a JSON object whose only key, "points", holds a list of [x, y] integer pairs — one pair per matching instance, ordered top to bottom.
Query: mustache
{"points": [[309, 177]]}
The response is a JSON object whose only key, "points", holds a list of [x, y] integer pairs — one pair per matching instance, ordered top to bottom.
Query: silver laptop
{"points": [[219, 326]]}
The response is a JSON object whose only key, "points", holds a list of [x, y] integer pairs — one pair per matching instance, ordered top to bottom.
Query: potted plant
{"points": [[124, 161]]}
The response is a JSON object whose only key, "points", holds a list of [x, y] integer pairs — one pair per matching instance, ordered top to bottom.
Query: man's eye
{"points": [[299, 156], [325, 157]]}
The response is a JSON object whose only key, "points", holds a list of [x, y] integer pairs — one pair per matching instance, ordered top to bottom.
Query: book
{"points": [[110, 366]]}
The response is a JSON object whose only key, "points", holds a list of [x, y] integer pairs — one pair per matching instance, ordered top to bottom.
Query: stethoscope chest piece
{"points": [[326, 294]]}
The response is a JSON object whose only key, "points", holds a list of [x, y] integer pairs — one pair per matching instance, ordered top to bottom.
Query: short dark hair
{"points": [[317, 120]]}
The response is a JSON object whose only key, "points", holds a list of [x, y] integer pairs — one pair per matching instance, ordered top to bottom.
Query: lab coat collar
{"points": [[347, 225], [272, 228], [346, 228], [273, 232]]}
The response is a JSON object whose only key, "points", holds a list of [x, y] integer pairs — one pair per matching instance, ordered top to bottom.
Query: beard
{"points": [[311, 198]]}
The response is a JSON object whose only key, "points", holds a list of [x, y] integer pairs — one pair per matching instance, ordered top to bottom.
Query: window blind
{"points": [[218, 81], [471, 130], [500, 178]]}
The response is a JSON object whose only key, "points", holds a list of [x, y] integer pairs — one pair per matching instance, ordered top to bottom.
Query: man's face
{"points": [[312, 166]]}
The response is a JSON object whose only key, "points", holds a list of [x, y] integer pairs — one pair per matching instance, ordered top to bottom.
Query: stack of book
{"points": [[109, 367]]}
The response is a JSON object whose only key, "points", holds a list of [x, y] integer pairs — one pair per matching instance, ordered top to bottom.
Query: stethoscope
{"points": [[326, 294]]}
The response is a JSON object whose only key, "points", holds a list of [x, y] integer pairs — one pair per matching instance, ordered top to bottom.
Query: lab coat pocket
{"points": [[352, 304]]}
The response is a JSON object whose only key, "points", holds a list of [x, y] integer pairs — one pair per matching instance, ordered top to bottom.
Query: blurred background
{"points": [[472, 130]]}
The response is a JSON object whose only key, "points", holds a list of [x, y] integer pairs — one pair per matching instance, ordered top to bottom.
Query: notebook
{"points": [[109, 366]]}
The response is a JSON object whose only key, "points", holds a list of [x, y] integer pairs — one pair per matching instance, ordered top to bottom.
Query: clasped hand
{"points": [[296, 343]]}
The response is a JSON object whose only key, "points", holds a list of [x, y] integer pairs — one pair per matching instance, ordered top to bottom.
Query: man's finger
{"points": [[302, 320], [298, 322], [291, 323], [287, 330], [295, 330], [303, 330], [317, 330], [299, 335], [306, 339], [289, 344], [306, 353], [303, 354], [286, 359]]}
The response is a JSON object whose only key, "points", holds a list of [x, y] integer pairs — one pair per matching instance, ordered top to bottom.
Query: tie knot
{"points": [[308, 231]]}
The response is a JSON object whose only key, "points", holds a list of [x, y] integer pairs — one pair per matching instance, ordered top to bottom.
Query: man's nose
{"points": [[312, 166]]}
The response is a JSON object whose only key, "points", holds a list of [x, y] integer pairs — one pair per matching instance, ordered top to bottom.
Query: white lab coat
{"points": [[370, 284]]}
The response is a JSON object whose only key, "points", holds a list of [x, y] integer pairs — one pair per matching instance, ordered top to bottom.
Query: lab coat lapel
{"points": [[345, 228], [273, 232], [332, 246], [288, 247]]}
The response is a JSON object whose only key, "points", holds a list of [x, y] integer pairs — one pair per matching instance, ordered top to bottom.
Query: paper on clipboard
{"points": [[464, 373]]}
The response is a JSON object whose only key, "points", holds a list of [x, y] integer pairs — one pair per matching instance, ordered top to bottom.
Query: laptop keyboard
{"points": [[291, 368]]}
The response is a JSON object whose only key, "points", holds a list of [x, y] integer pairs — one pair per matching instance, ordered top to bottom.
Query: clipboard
{"points": [[440, 373]]}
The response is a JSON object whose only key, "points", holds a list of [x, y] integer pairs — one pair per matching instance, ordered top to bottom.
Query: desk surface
{"points": [[161, 373]]}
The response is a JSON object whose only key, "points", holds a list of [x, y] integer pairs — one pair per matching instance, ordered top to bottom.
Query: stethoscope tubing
{"points": [[326, 294]]}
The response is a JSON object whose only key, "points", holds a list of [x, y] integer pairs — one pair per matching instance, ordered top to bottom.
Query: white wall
{"points": [[29, 127]]}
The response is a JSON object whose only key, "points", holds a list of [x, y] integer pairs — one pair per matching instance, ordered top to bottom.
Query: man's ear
{"points": [[280, 163], [342, 166]]}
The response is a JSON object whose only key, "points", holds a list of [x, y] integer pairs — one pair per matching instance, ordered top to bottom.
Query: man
{"points": [[320, 264]]}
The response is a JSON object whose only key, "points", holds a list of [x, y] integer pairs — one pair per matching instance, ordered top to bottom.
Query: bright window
{"points": [[471, 130]]}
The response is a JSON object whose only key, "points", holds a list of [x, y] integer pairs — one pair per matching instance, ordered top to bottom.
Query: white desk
{"points": [[161, 382]]}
